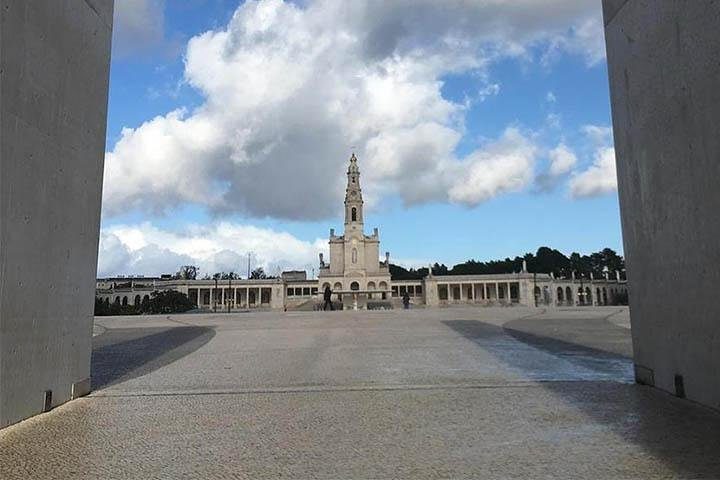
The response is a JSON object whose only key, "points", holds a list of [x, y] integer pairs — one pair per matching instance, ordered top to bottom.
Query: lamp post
{"points": [[229, 291], [215, 295]]}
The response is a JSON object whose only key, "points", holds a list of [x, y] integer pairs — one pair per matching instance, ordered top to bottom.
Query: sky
{"points": [[482, 130]]}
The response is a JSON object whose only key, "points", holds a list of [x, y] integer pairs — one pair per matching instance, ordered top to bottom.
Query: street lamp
{"points": [[215, 295]]}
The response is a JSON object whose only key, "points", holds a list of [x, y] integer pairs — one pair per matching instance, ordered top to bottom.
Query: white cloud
{"points": [[585, 38], [290, 90], [550, 97], [599, 135], [562, 160], [504, 166], [600, 178], [144, 249]]}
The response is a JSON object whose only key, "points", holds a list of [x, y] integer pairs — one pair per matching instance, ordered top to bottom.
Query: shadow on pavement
{"points": [[122, 354], [544, 358], [684, 435]]}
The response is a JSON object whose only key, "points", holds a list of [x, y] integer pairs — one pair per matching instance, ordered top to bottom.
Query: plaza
{"points": [[458, 392]]}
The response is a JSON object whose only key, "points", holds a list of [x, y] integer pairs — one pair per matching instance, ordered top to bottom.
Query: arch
{"points": [[353, 214], [354, 255], [325, 285], [337, 286], [354, 286], [370, 286], [383, 286], [537, 293], [546, 295], [568, 295], [560, 296], [580, 296], [588, 296], [598, 297], [146, 298], [117, 301], [124, 301], [136, 301]]}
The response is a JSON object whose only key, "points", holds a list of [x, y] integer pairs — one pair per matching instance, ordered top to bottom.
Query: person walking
{"points": [[327, 296], [406, 300]]}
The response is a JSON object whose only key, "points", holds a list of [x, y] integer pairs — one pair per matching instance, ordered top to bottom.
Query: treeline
{"points": [[545, 260], [191, 272], [167, 301]]}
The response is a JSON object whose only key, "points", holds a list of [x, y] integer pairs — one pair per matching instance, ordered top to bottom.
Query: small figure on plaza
{"points": [[327, 296], [406, 300]]}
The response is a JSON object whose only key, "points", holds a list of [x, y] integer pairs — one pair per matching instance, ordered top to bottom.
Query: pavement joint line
{"points": [[340, 389]]}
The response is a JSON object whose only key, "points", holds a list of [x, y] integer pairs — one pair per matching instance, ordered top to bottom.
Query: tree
{"points": [[545, 260], [438, 269], [187, 272], [400, 273], [258, 274], [167, 301], [105, 308]]}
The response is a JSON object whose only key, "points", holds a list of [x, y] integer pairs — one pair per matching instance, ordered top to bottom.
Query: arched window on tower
{"points": [[353, 214], [354, 255]]}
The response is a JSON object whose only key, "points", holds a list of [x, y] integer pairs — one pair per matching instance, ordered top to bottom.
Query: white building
{"points": [[359, 280]]}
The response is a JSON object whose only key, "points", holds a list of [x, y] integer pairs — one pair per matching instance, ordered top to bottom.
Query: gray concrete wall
{"points": [[54, 65], [664, 67]]}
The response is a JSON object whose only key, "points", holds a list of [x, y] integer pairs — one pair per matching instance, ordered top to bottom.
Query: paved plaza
{"points": [[426, 393]]}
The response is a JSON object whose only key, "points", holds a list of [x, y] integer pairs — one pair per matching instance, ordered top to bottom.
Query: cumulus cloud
{"points": [[289, 90], [562, 160], [503, 166], [600, 178], [144, 249]]}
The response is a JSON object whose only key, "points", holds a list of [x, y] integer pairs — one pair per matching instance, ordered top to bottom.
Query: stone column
{"points": [[54, 64], [664, 70]]}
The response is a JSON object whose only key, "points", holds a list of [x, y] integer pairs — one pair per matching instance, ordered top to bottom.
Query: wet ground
{"points": [[436, 393]]}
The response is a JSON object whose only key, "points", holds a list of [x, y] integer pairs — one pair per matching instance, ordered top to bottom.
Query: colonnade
{"points": [[483, 292], [235, 297]]}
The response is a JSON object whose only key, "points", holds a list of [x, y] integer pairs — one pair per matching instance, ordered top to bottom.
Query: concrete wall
{"points": [[54, 62], [664, 67]]}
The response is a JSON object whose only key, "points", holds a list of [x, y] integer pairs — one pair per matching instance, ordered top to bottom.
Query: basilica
{"points": [[360, 280]]}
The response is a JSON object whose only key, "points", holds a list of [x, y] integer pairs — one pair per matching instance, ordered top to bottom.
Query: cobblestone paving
{"points": [[445, 393]]}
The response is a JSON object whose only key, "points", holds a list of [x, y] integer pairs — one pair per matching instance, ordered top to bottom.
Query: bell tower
{"points": [[353, 200]]}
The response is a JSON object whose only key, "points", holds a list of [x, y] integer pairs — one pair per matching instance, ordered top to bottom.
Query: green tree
{"points": [[167, 301]]}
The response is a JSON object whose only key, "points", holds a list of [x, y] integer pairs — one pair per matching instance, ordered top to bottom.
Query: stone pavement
{"points": [[431, 393]]}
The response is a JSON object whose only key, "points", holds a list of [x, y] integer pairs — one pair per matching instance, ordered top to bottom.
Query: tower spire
{"points": [[353, 198]]}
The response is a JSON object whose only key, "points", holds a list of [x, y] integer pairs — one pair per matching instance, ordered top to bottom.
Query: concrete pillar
{"points": [[54, 64], [664, 70]]}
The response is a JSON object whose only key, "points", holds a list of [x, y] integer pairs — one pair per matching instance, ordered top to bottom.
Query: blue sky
{"points": [[480, 134]]}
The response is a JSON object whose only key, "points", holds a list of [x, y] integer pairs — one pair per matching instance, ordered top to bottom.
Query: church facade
{"points": [[355, 274], [359, 280]]}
